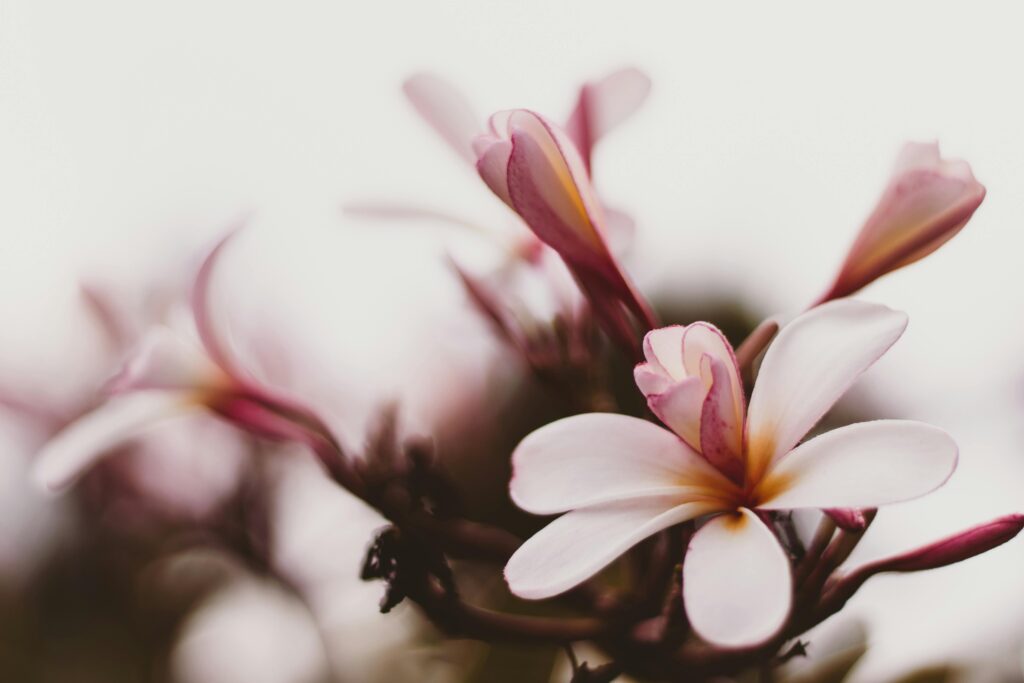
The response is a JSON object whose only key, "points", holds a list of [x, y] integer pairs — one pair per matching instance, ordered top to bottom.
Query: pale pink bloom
{"points": [[535, 168], [928, 201], [515, 304], [174, 371], [622, 479]]}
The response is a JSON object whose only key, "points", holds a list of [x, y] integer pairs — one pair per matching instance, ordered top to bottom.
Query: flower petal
{"points": [[604, 104], [446, 110], [492, 164], [545, 181], [550, 189], [703, 339], [663, 348], [218, 350], [164, 359], [809, 365], [679, 407], [721, 422], [67, 455], [601, 457], [861, 466], [581, 543], [737, 587]]}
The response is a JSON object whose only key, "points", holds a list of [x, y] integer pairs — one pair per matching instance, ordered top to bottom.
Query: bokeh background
{"points": [[131, 134]]}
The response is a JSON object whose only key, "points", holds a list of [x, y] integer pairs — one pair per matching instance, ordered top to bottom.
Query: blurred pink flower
{"points": [[928, 200], [503, 297], [172, 373], [621, 479]]}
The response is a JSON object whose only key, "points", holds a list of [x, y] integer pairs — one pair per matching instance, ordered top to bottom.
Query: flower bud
{"points": [[534, 168], [927, 201]]}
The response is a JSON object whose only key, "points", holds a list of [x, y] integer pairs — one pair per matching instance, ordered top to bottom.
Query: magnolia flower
{"points": [[534, 167], [928, 200], [173, 373], [622, 479]]}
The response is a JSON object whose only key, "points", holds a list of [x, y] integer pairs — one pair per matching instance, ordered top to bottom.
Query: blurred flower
{"points": [[604, 104], [536, 169], [927, 201], [520, 312], [171, 374], [622, 479]]}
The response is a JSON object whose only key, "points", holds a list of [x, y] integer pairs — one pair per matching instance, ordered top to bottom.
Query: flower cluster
{"points": [[695, 494]]}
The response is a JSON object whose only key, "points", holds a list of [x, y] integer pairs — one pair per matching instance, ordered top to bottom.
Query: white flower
{"points": [[621, 479]]}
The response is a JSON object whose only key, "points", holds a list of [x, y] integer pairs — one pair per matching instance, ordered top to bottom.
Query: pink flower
{"points": [[535, 168], [928, 200], [507, 299], [171, 373], [621, 479]]}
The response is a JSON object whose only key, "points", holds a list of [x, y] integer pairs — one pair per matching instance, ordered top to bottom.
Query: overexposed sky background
{"points": [[131, 133]]}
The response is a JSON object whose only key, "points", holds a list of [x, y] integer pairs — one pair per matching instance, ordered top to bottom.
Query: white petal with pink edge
{"points": [[663, 349], [810, 364], [79, 445], [600, 457], [862, 466], [581, 543], [737, 587]]}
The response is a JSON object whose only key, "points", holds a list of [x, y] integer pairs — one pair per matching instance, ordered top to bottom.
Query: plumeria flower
{"points": [[601, 105], [535, 168], [927, 202], [521, 310], [176, 370], [621, 479]]}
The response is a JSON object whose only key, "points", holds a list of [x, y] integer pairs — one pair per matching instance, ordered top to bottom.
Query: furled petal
{"points": [[604, 104], [446, 110], [492, 164], [542, 177], [551, 191], [928, 200], [703, 339], [663, 349], [165, 359], [809, 365], [692, 383], [679, 407], [721, 422], [67, 455], [600, 457], [861, 466], [581, 543], [737, 587]]}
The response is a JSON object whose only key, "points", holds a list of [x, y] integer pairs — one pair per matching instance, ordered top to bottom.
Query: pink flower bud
{"points": [[534, 168], [928, 200], [956, 548]]}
